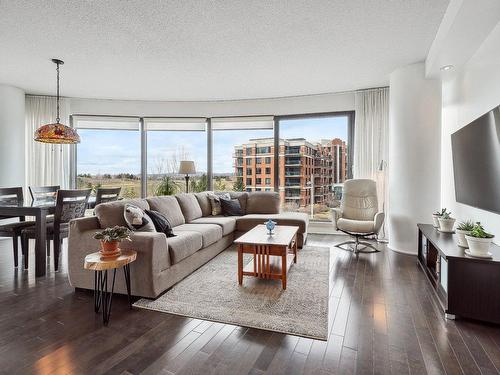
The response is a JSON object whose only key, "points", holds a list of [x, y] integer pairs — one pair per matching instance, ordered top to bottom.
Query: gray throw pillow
{"points": [[215, 202], [231, 207], [137, 219], [161, 223]]}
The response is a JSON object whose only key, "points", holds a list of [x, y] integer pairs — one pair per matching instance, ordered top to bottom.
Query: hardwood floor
{"points": [[383, 319]]}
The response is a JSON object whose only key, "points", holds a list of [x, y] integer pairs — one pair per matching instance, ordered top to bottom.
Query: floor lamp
{"points": [[186, 167], [381, 183]]}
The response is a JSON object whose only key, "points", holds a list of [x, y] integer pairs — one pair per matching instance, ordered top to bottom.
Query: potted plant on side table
{"points": [[435, 217], [446, 222], [465, 227], [110, 239], [479, 242]]}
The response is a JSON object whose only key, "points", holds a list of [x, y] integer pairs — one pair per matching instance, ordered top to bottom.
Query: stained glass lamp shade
{"points": [[57, 132]]}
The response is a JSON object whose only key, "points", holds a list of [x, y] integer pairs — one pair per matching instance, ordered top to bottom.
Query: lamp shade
{"points": [[56, 133], [187, 167]]}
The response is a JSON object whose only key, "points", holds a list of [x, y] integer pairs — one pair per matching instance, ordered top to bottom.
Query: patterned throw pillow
{"points": [[215, 202], [231, 207], [137, 219], [161, 223]]}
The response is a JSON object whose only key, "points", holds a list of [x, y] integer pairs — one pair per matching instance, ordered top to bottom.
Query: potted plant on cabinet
{"points": [[435, 217], [446, 222], [465, 227], [110, 238], [479, 241]]}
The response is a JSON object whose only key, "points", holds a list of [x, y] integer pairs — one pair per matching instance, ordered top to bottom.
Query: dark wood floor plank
{"points": [[383, 319]]}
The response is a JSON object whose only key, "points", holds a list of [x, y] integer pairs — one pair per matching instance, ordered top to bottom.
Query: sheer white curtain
{"points": [[371, 131], [46, 164]]}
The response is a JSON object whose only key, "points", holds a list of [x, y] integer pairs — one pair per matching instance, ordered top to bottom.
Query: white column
{"points": [[12, 136], [414, 154]]}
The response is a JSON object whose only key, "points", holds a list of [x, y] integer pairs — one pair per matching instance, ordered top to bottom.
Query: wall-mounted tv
{"points": [[476, 162]]}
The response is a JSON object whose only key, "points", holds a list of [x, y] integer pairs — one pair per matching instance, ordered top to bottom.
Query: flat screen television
{"points": [[476, 162]]}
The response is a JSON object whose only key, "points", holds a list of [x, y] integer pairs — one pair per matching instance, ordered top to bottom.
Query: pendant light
{"points": [[57, 132]]}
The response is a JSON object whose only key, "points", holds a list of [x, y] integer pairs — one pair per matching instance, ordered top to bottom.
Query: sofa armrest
{"points": [[378, 220], [85, 223]]}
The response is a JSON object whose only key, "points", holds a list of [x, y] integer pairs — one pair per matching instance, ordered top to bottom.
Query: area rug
{"points": [[212, 293]]}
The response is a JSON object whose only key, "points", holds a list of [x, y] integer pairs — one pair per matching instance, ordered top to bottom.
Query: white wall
{"points": [[468, 93], [278, 106], [12, 136], [414, 154]]}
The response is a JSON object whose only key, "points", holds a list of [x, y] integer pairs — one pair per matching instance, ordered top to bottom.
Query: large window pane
{"points": [[165, 150], [109, 158], [242, 158], [313, 164]]}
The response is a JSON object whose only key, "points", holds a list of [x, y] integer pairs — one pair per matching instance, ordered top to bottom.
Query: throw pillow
{"points": [[215, 202], [231, 207], [137, 219], [161, 223]]}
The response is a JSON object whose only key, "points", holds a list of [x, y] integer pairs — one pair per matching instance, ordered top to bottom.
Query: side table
{"points": [[100, 266]]}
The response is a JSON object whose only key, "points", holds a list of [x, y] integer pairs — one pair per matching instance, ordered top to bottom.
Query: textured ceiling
{"points": [[205, 50]]}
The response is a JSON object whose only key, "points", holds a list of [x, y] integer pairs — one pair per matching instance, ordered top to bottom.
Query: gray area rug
{"points": [[212, 293]]}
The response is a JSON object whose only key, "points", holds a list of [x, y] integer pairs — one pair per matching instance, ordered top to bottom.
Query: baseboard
{"points": [[402, 251]]}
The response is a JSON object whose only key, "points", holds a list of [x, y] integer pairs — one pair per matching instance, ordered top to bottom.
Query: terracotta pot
{"points": [[110, 247]]}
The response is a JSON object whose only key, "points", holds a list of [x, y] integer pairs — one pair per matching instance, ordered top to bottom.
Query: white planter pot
{"points": [[435, 221], [446, 225], [462, 242], [478, 246]]}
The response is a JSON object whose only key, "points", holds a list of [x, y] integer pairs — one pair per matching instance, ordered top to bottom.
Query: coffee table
{"points": [[272, 255]]}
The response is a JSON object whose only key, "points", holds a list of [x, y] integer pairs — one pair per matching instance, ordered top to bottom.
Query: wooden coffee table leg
{"points": [[295, 250], [240, 264], [283, 270]]}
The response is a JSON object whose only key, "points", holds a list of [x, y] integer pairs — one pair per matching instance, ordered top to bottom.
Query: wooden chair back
{"points": [[43, 193], [104, 195], [12, 196], [70, 204]]}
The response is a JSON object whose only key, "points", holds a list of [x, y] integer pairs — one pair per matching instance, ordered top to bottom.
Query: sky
{"points": [[118, 151]]}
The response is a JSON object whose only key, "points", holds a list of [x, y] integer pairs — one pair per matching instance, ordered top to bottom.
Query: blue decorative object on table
{"points": [[270, 225]]}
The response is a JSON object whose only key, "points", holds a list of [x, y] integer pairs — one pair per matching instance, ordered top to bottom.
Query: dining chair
{"points": [[42, 193], [104, 195], [13, 197], [70, 204]]}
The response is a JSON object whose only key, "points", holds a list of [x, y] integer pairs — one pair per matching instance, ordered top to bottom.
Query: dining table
{"points": [[39, 210]]}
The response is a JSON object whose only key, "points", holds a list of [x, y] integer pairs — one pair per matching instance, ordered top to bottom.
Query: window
{"points": [[239, 133], [170, 140], [264, 150], [109, 154], [268, 160], [315, 163], [268, 170], [258, 181], [268, 181]]}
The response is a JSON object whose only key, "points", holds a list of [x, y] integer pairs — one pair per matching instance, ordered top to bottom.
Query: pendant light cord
{"points": [[57, 118]]}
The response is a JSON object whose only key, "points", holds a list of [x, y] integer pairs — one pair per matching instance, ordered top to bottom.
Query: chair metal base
{"points": [[356, 242]]}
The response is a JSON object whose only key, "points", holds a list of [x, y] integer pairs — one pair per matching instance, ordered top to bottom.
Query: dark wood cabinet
{"points": [[465, 286]]}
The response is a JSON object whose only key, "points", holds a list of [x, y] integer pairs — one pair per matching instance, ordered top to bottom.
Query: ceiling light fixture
{"points": [[446, 67], [57, 132]]}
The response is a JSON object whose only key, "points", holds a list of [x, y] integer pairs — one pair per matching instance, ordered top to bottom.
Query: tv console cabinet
{"points": [[465, 286]]}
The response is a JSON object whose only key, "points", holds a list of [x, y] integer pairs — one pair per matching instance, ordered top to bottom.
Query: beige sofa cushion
{"points": [[204, 202], [263, 202], [189, 205], [168, 206], [111, 213], [247, 222], [227, 223], [356, 226], [210, 233], [184, 244]]}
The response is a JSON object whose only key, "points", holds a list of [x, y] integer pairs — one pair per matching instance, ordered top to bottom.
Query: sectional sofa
{"points": [[199, 236]]}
